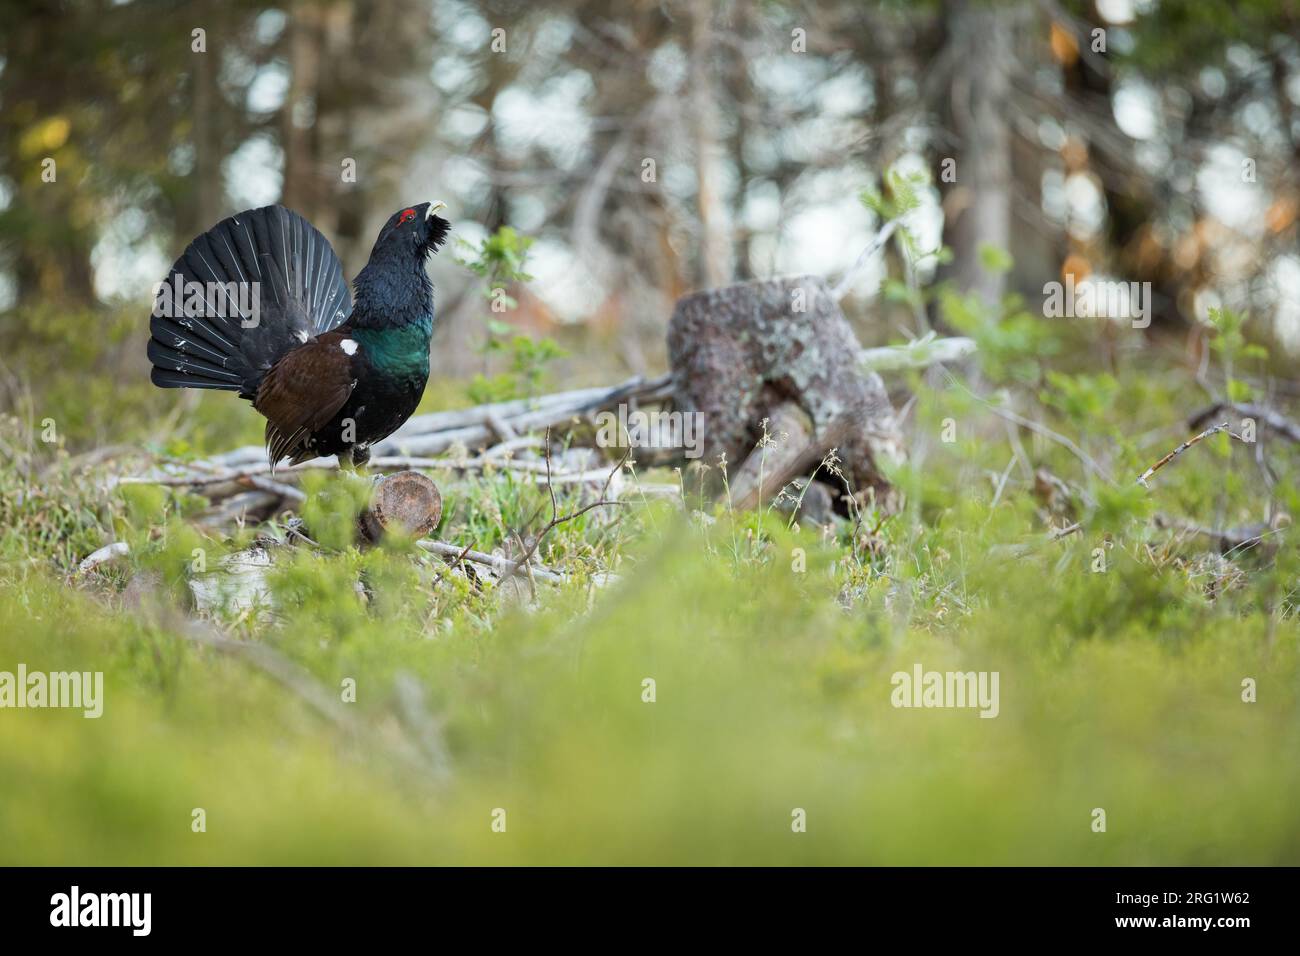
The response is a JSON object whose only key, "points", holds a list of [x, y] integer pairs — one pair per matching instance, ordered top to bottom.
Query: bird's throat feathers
{"points": [[392, 292]]}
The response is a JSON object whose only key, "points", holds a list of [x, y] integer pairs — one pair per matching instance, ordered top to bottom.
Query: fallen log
{"points": [[739, 354], [435, 432], [430, 434], [109, 552]]}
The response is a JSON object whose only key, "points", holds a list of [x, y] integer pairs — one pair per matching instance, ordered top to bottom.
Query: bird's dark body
{"points": [[391, 367], [332, 376]]}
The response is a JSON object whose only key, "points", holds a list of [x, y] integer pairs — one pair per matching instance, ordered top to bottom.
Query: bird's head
{"points": [[413, 230]]}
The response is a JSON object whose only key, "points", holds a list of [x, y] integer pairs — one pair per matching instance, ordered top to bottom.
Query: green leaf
{"points": [[995, 259], [1239, 391]]}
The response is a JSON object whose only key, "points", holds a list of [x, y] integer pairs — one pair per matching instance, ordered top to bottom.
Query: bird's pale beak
{"points": [[433, 208]]}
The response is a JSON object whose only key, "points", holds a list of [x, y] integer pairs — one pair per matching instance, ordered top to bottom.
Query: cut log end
{"points": [[406, 502]]}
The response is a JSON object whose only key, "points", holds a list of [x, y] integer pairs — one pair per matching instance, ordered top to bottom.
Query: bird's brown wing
{"points": [[302, 392]]}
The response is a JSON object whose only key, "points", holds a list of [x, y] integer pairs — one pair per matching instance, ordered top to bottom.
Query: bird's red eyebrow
{"points": [[408, 214]]}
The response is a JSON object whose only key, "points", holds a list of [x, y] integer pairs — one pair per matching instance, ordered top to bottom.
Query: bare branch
{"points": [[842, 287], [1276, 421], [1146, 475]]}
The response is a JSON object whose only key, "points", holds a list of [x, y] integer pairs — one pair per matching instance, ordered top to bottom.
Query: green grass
{"points": [[1120, 689]]}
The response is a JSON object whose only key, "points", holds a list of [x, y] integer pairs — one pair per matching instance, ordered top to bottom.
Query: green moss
{"points": [[1121, 651]]}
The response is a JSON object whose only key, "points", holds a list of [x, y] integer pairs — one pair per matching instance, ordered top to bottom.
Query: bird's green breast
{"points": [[401, 352]]}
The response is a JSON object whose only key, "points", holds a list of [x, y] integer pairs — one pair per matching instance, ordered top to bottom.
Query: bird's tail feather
{"points": [[242, 294]]}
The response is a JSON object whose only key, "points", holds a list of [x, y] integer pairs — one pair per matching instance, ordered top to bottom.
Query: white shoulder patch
{"points": [[301, 335], [349, 346]]}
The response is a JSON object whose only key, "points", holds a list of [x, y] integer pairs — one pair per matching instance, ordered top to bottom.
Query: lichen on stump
{"points": [[781, 350]]}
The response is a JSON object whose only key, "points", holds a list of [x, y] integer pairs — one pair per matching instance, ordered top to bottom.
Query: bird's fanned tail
{"points": [[242, 295]]}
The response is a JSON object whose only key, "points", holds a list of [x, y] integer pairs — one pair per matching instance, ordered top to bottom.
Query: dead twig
{"points": [[881, 237], [1274, 420], [1037, 428], [1213, 430], [254, 475], [276, 487], [556, 518], [1229, 540], [1025, 549], [496, 562], [450, 568], [281, 669], [422, 732]]}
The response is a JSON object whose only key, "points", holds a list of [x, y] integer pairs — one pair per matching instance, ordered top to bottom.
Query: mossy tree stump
{"points": [[781, 350]]}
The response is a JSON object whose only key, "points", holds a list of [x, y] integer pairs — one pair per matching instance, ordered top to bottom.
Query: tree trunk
{"points": [[301, 162], [977, 206], [715, 239]]}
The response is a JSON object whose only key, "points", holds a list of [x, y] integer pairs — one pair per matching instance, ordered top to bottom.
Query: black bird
{"points": [[258, 305]]}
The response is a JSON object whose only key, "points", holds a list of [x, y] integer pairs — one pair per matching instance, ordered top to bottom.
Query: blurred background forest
{"points": [[652, 148], [600, 160]]}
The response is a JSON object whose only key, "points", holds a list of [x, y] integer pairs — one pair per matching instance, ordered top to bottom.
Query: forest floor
{"points": [[705, 686]]}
